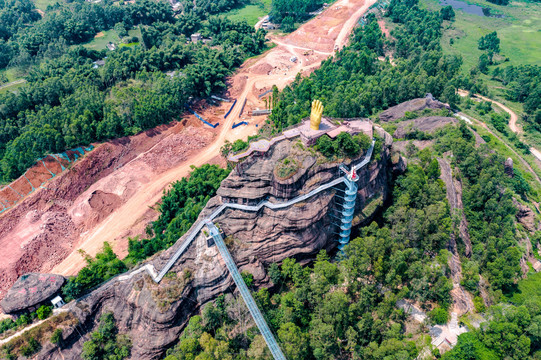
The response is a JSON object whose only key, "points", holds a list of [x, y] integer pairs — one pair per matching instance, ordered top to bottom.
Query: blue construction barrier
{"points": [[231, 108], [242, 108], [200, 118], [239, 124], [77, 152], [64, 156], [58, 161], [45, 166], [33, 188], [15, 191]]}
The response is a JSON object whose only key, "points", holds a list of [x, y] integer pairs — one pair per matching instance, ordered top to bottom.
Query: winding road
{"points": [[513, 118], [524, 162]]}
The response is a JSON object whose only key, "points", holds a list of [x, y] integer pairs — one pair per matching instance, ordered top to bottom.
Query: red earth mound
{"points": [[43, 230]]}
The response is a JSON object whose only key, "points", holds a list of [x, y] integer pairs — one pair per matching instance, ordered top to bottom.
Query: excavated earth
{"points": [[109, 195], [43, 230], [154, 315]]}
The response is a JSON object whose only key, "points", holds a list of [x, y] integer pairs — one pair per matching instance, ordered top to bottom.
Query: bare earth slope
{"points": [[108, 195], [46, 227], [462, 301]]}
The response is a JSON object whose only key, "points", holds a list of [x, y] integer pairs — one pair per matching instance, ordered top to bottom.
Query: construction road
{"points": [[322, 34]]}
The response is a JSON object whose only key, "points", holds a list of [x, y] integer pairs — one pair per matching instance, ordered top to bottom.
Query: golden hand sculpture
{"points": [[315, 116]]}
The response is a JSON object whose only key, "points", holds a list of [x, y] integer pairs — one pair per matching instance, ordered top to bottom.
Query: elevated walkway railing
{"points": [[274, 206], [197, 227]]}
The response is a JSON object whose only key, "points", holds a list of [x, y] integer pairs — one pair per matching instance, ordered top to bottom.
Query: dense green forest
{"points": [[289, 12], [356, 83], [523, 84], [69, 102], [336, 308], [346, 308], [325, 312], [105, 342]]}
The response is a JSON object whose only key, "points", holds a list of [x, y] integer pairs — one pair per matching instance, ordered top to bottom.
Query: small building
{"points": [[269, 26], [196, 37], [111, 46], [293, 59], [98, 63], [31, 291], [57, 302]]}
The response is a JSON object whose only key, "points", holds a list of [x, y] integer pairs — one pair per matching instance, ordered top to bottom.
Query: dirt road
{"points": [[321, 34], [16, 82], [513, 117], [512, 120], [524, 162]]}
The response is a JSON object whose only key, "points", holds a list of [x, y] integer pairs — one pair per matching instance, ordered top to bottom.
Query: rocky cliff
{"points": [[154, 315]]}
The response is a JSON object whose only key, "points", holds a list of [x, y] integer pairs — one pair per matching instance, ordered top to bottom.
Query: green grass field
{"points": [[42, 4], [251, 13], [519, 32], [520, 42], [100, 43], [12, 75], [12, 88], [529, 288]]}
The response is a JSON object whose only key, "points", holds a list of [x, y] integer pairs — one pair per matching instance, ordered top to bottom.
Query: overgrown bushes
{"points": [[345, 145], [180, 207], [99, 269], [106, 343]]}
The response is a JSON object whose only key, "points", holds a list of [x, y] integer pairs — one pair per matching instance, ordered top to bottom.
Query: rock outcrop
{"points": [[398, 111], [427, 124], [508, 167], [526, 217], [30, 291], [154, 314]]}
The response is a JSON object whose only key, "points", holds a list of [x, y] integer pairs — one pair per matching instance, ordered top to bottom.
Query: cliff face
{"points": [[154, 315]]}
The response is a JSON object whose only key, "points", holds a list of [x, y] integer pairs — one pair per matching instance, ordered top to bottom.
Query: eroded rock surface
{"points": [[398, 111], [428, 124], [154, 319]]}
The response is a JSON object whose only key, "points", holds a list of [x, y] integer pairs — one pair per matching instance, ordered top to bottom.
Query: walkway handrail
{"points": [[270, 205], [245, 293]]}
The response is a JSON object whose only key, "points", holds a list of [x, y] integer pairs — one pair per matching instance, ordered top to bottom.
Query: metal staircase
{"points": [[348, 209], [345, 227], [246, 295]]}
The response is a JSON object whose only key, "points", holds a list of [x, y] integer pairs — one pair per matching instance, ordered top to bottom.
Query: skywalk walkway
{"points": [[274, 206], [245, 293]]}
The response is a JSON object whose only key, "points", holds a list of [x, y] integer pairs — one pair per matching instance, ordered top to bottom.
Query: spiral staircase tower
{"points": [[348, 208]]}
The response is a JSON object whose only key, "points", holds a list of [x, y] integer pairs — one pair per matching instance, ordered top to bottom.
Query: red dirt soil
{"points": [[383, 28], [42, 171], [111, 193], [41, 231]]}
